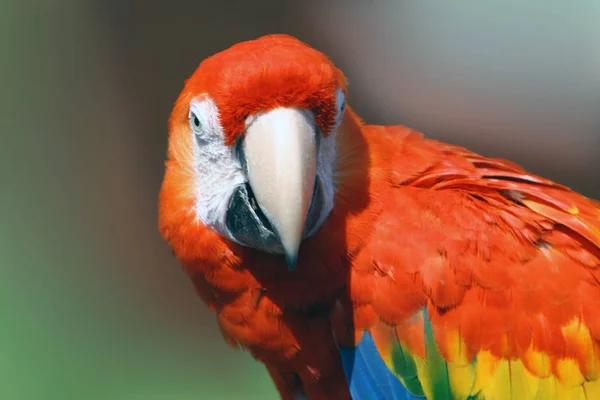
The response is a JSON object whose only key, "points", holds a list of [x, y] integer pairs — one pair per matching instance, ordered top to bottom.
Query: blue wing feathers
{"points": [[367, 375]]}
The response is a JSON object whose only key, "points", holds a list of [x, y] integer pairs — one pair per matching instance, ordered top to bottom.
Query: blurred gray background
{"points": [[92, 304]]}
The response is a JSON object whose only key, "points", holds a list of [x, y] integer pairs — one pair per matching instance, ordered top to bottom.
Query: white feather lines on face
{"points": [[218, 170]]}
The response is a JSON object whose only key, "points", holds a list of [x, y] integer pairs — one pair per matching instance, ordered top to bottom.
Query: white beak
{"points": [[280, 148]]}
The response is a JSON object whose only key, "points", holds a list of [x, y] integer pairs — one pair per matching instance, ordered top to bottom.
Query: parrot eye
{"points": [[340, 101], [340, 104], [195, 122]]}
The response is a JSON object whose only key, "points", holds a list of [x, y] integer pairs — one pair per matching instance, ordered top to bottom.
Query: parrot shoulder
{"points": [[478, 277]]}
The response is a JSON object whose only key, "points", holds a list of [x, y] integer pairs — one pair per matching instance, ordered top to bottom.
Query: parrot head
{"points": [[253, 133]]}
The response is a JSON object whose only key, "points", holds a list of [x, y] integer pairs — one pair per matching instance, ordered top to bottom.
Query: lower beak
{"points": [[280, 149]]}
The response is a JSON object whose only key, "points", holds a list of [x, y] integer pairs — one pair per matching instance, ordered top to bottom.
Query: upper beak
{"points": [[280, 148]]}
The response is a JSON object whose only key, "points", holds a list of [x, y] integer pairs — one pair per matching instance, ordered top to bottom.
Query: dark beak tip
{"points": [[291, 260]]}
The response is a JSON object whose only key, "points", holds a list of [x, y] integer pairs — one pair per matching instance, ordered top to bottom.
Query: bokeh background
{"points": [[92, 304]]}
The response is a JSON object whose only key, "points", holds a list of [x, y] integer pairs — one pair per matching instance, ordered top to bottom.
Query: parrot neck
{"points": [[260, 304], [281, 316]]}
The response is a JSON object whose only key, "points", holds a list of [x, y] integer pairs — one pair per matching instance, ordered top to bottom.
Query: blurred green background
{"points": [[92, 304]]}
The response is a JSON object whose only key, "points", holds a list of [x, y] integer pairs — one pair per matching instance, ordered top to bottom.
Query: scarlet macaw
{"points": [[368, 261]]}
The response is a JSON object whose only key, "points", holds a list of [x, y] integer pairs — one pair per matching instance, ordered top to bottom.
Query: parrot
{"points": [[359, 261]]}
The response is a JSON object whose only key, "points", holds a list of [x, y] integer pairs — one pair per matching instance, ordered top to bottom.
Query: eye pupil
{"points": [[195, 121]]}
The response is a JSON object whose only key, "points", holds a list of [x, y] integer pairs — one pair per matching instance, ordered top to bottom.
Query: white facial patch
{"points": [[218, 170]]}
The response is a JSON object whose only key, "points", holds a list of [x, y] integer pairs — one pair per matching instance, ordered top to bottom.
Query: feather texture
{"points": [[439, 273], [482, 279]]}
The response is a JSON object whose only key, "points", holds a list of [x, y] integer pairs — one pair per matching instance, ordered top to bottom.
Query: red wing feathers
{"points": [[505, 264]]}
